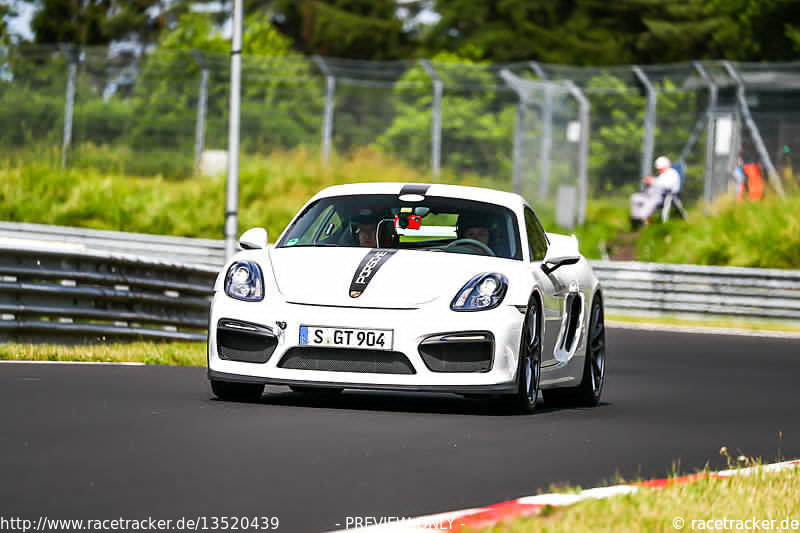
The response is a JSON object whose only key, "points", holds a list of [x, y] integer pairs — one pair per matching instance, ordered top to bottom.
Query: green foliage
{"points": [[6, 11], [98, 22], [358, 29], [756, 30], [592, 32], [32, 97], [280, 103], [477, 117], [617, 131], [271, 190], [757, 234]]}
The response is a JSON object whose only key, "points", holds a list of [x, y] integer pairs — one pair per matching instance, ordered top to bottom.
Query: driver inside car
{"points": [[474, 226], [365, 228], [366, 232]]}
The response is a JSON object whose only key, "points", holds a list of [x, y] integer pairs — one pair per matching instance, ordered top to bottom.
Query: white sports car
{"points": [[410, 287]]}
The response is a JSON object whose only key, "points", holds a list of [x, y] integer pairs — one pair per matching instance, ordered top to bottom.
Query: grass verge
{"points": [[271, 190], [762, 234], [730, 323], [168, 353], [760, 495]]}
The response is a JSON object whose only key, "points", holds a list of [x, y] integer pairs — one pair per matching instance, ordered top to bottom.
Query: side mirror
{"points": [[253, 239], [562, 251], [550, 265]]}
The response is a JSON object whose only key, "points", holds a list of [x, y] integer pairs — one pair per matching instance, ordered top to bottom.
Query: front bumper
{"points": [[411, 327]]}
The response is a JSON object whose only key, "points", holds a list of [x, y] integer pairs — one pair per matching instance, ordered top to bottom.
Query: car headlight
{"points": [[244, 281], [484, 291]]}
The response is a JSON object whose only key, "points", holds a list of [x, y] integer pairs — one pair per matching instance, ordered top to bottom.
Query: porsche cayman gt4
{"points": [[410, 287]]}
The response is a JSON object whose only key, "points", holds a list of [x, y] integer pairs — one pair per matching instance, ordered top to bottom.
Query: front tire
{"points": [[529, 368], [236, 392], [588, 393]]}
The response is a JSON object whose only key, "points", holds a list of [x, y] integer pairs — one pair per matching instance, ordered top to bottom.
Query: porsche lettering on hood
{"points": [[367, 269], [385, 277]]}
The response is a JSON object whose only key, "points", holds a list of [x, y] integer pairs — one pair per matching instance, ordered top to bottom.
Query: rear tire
{"points": [[529, 367], [236, 392], [588, 393]]}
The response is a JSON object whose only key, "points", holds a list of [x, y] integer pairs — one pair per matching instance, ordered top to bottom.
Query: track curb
{"points": [[455, 521]]}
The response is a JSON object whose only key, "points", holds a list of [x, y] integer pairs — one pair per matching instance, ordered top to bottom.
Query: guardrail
{"points": [[178, 249], [645, 288], [79, 296]]}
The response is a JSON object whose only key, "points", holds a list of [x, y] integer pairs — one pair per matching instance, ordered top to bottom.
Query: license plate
{"points": [[372, 339]]}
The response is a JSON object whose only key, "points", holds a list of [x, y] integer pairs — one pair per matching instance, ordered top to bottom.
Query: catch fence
{"points": [[562, 136]]}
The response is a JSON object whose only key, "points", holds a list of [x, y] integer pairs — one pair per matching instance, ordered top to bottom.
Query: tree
{"points": [[6, 12], [99, 22], [357, 29], [757, 30], [501, 31], [598, 32], [280, 101], [477, 117]]}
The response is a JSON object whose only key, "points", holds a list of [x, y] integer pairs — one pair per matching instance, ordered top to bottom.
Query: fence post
{"points": [[73, 57], [202, 105], [436, 118], [327, 121], [519, 125], [751, 125], [547, 131], [710, 131], [648, 140], [583, 149], [232, 185]]}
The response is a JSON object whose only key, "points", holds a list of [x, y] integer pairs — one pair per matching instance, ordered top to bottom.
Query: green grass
{"points": [[271, 190], [97, 193], [606, 217], [751, 234], [711, 322], [168, 353], [760, 495]]}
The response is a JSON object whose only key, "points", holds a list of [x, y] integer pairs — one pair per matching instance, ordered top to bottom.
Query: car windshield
{"points": [[385, 221]]}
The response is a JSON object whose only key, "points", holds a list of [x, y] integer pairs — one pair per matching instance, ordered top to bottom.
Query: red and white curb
{"points": [[531, 505]]}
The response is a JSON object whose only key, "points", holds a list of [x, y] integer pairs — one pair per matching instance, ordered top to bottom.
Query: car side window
{"points": [[537, 240]]}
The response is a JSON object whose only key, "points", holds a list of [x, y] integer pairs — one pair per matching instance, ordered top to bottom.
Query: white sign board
{"points": [[574, 131], [724, 133], [566, 206]]}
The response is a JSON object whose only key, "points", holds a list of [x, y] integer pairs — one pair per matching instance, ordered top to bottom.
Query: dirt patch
{"points": [[623, 248]]}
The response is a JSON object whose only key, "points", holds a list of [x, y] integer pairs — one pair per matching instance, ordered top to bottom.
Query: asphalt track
{"points": [[135, 442]]}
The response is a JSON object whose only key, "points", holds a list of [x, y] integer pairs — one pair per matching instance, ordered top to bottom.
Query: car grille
{"points": [[244, 342], [458, 352], [346, 360]]}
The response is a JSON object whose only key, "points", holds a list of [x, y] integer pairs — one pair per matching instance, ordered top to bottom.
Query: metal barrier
{"points": [[178, 249], [645, 288], [69, 296]]}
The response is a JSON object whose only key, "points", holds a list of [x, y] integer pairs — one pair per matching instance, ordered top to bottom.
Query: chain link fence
{"points": [[562, 136]]}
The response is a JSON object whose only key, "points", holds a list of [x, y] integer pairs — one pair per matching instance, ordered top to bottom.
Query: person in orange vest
{"points": [[748, 177]]}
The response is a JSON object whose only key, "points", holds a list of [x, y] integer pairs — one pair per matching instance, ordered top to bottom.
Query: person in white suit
{"points": [[645, 203]]}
